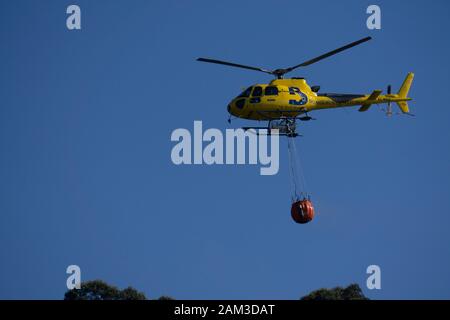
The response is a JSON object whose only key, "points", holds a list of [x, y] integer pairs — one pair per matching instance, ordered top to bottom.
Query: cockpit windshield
{"points": [[246, 93]]}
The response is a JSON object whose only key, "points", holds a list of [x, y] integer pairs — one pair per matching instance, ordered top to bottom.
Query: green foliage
{"points": [[99, 290], [352, 292], [132, 294], [165, 298]]}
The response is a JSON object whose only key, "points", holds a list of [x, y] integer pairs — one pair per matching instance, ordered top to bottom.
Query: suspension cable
{"points": [[298, 181]]}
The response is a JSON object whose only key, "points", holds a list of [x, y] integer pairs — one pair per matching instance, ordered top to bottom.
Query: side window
{"points": [[271, 91], [257, 92], [246, 93]]}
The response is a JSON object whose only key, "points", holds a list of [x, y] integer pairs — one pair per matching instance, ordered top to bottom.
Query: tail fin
{"points": [[404, 89], [403, 92], [403, 105]]}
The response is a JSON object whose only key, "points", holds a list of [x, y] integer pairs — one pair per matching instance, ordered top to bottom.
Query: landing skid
{"points": [[285, 126], [269, 132]]}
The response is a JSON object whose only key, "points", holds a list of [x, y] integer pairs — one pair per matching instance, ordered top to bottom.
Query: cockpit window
{"points": [[271, 91], [257, 92], [246, 93]]}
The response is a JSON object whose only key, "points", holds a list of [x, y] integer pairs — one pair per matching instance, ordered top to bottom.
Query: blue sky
{"points": [[87, 179]]}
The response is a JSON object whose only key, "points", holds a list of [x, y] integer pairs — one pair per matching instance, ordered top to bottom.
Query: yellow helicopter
{"points": [[284, 101]]}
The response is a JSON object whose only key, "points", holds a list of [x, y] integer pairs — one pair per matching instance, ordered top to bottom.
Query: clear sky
{"points": [[86, 176]]}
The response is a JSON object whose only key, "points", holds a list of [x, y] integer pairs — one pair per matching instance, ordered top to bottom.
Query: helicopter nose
{"points": [[231, 108]]}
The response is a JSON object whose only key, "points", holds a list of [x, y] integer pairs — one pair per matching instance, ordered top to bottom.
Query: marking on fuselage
{"points": [[301, 102]]}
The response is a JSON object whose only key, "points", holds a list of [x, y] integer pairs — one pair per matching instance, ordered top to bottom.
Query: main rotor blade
{"points": [[328, 54], [233, 65]]}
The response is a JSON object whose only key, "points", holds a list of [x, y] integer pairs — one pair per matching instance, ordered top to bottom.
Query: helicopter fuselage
{"points": [[289, 98]]}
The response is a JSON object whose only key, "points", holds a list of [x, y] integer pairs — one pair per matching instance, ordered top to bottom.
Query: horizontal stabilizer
{"points": [[374, 95]]}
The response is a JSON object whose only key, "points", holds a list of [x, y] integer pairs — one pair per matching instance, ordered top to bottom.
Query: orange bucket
{"points": [[302, 211]]}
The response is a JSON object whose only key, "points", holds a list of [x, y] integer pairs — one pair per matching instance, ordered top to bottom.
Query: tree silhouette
{"points": [[100, 290], [352, 292], [165, 298]]}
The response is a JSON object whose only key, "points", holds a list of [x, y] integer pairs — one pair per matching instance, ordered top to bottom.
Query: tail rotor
{"points": [[400, 98], [389, 107]]}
